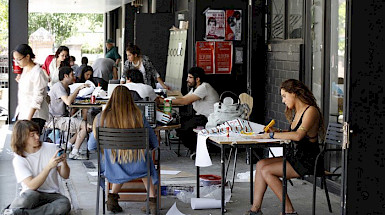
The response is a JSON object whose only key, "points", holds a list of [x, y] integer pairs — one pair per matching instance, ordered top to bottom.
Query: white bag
{"points": [[226, 110]]}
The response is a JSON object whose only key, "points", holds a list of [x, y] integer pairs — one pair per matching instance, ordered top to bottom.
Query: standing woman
{"points": [[53, 62], [142, 63], [32, 93], [306, 125], [121, 166]]}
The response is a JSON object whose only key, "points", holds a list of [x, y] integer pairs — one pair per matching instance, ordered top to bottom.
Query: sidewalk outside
{"points": [[81, 187]]}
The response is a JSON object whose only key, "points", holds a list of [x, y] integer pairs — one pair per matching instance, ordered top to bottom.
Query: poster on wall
{"points": [[233, 24], [215, 25], [205, 56], [223, 57]]}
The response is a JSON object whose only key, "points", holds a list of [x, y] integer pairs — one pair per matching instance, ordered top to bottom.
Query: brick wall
{"points": [[282, 63]]}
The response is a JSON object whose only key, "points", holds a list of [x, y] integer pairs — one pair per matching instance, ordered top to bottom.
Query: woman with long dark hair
{"points": [[54, 62], [32, 93], [306, 126]]}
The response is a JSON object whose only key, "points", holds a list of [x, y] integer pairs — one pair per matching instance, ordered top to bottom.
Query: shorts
{"points": [[62, 124]]}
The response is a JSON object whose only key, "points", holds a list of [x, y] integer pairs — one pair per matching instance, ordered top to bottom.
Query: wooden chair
{"points": [[334, 136], [112, 138]]}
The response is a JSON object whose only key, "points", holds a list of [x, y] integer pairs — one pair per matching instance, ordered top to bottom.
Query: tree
{"points": [[62, 25], [3, 27]]}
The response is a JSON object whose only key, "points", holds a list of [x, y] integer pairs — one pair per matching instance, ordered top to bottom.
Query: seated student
{"points": [[80, 68], [87, 74], [135, 82], [60, 97], [203, 97], [306, 125], [125, 165], [37, 166]]}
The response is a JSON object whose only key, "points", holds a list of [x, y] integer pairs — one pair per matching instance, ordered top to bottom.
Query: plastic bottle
{"points": [[167, 106]]}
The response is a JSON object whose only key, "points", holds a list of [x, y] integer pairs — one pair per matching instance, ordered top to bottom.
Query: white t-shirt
{"points": [[143, 90], [32, 93], [208, 95], [33, 164]]}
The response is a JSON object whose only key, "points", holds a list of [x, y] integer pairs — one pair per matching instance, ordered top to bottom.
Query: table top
{"points": [[167, 127], [238, 139]]}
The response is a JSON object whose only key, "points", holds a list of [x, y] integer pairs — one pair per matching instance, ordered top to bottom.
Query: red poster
{"points": [[233, 25], [205, 56], [223, 57]]}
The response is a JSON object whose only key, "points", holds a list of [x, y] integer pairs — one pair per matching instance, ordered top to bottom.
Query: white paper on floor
{"points": [[202, 154], [169, 172], [94, 174], [205, 203], [174, 210]]}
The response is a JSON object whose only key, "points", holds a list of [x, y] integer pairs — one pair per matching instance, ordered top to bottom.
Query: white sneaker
{"points": [[77, 156], [8, 212]]}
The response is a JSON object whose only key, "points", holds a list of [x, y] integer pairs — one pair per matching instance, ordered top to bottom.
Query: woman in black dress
{"points": [[306, 125]]}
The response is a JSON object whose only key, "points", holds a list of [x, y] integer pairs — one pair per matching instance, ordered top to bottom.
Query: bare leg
{"points": [[81, 135], [271, 174], [260, 184], [116, 188], [152, 188]]}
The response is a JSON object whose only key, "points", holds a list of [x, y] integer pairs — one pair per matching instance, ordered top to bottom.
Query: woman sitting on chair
{"points": [[306, 124], [125, 165]]}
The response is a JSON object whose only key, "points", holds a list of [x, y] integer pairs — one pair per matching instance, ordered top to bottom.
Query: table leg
{"points": [[251, 176], [223, 179], [284, 181], [198, 182]]}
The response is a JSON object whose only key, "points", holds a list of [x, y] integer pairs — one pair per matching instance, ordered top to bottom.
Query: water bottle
{"points": [[167, 106]]}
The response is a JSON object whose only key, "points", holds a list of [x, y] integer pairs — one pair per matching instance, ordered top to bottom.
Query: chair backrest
{"points": [[334, 134], [116, 138]]}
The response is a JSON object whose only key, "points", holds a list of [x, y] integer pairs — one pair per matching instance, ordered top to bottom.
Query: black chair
{"points": [[334, 136], [113, 138]]}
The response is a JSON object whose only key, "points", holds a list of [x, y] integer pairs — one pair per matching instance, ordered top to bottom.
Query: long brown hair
{"points": [[303, 93], [122, 112], [20, 135]]}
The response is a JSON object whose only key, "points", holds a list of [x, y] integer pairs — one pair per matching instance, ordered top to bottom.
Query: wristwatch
{"points": [[271, 135]]}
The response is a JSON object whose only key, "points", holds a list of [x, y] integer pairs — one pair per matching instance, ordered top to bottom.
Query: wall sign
{"points": [[233, 24], [205, 56], [223, 57]]}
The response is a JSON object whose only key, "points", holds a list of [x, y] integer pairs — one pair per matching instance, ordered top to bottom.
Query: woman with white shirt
{"points": [[53, 62], [32, 104]]}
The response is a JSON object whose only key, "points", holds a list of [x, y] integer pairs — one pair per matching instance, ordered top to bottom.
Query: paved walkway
{"points": [[81, 187]]}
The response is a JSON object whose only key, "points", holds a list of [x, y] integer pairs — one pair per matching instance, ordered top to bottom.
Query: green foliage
{"points": [[63, 25], [3, 26]]}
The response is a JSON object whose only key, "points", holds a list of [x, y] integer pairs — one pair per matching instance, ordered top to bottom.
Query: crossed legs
{"points": [[268, 171]]}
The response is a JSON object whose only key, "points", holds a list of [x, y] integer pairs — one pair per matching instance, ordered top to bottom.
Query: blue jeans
{"points": [[92, 142], [35, 202]]}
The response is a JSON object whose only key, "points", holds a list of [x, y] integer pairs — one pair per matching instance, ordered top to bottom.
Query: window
{"points": [[286, 19]]}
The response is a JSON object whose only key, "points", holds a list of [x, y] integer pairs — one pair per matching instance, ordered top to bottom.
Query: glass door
{"points": [[336, 75]]}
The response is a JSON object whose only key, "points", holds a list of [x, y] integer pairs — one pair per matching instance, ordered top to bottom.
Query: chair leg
{"points": [[314, 194], [327, 194], [104, 201]]}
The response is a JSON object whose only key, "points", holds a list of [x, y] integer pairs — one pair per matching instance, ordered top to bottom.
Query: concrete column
{"points": [[18, 34]]}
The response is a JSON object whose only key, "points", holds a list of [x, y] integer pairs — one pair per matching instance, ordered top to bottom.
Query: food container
{"points": [[207, 180]]}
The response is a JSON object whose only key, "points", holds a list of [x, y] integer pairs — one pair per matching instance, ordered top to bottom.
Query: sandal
{"points": [[249, 212]]}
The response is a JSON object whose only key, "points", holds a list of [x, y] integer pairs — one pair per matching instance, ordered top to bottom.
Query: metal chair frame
{"points": [[334, 136], [114, 138]]}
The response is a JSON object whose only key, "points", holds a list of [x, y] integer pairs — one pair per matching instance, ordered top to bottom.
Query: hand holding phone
{"points": [[60, 152]]}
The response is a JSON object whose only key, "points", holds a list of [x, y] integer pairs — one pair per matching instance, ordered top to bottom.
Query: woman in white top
{"points": [[53, 62], [32, 104]]}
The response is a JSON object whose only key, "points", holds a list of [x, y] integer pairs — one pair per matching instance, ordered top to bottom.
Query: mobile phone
{"points": [[60, 152]]}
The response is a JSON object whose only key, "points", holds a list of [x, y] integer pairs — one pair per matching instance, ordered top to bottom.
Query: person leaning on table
{"points": [[203, 97], [306, 125]]}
